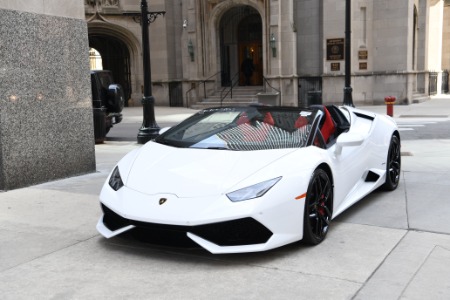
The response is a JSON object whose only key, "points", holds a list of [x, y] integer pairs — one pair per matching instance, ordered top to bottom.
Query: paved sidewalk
{"points": [[389, 246]]}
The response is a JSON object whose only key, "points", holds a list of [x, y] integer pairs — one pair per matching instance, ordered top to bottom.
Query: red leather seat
{"points": [[243, 119], [269, 119], [300, 122], [329, 127], [255, 130]]}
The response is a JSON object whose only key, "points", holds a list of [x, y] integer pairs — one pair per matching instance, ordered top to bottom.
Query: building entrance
{"points": [[241, 47], [250, 60]]}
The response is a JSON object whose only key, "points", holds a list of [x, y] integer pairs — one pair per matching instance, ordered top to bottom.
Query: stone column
{"points": [[434, 31], [283, 67], [46, 119]]}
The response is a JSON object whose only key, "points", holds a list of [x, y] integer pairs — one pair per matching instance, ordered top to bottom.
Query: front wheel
{"points": [[393, 165], [318, 208]]}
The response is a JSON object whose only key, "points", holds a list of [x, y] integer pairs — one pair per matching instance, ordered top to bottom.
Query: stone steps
{"points": [[242, 96]]}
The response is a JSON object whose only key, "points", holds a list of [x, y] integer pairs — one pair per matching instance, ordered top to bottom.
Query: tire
{"points": [[393, 165], [318, 208]]}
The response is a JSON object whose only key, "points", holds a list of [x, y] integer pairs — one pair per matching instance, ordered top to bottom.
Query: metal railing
{"points": [[204, 83], [268, 83], [432, 83], [445, 83], [197, 84], [226, 90], [229, 90]]}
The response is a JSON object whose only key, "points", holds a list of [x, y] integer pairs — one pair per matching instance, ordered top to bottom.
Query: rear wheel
{"points": [[393, 165], [318, 208]]}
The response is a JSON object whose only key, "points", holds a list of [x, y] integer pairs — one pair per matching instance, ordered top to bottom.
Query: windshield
{"points": [[242, 129]]}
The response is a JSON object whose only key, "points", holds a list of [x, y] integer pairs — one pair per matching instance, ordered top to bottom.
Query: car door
{"points": [[350, 163]]}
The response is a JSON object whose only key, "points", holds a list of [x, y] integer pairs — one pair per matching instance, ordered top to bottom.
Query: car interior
{"points": [[332, 124]]}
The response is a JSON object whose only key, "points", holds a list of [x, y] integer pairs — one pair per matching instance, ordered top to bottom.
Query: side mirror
{"points": [[348, 140]]}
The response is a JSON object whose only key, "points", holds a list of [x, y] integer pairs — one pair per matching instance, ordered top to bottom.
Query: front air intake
{"points": [[245, 231]]}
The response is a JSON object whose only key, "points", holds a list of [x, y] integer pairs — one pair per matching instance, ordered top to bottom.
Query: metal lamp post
{"points": [[348, 99], [149, 129]]}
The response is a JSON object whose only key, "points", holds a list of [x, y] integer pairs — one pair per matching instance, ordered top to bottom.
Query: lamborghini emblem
{"points": [[162, 201]]}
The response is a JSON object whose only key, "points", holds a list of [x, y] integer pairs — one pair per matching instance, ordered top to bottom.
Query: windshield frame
{"points": [[166, 138]]}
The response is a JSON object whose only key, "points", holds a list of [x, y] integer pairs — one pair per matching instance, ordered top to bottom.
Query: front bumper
{"points": [[216, 224], [245, 231]]}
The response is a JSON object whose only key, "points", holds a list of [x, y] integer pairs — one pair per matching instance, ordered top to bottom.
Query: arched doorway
{"points": [[241, 46], [115, 57]]}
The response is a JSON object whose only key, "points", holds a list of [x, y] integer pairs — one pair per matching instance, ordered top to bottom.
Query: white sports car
{"points": [[244, 179]]}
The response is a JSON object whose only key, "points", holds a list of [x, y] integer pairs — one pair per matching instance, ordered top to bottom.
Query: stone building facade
{"points": [[198, 48], [46, 123]]}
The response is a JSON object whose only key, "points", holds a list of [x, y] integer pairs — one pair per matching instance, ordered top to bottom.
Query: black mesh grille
{"points": [[112, 220], [246, 231]]}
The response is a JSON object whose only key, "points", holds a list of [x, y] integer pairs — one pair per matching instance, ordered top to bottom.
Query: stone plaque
{"points": [[335, 49], [362, 54], [335, 66]]}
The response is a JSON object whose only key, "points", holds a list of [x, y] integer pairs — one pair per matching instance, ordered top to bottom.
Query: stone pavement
{"points": [[391, 245]]}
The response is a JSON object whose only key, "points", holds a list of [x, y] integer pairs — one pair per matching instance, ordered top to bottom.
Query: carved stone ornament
{"points": [[90, 2], [103, 3], [113, 3]]}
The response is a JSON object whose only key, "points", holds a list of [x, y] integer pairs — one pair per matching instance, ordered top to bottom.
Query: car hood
{"points": [[189, 172]]}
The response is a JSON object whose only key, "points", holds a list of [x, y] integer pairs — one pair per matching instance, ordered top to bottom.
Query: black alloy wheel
{"points": [[393, 165], [318, 208]]}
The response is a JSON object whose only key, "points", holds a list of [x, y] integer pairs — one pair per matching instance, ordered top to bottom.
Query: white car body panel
{"points": [[191, 169], [195, 182], [350, 186]]}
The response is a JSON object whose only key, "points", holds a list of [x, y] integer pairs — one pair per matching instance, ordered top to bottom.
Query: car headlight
{"points": [[115, 181], [253, 191]]}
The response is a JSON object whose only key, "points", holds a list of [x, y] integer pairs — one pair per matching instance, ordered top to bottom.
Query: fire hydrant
{"points": [[389, 101]]}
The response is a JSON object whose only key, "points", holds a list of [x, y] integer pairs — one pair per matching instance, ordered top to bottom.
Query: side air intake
{"points": [[372, 177]]}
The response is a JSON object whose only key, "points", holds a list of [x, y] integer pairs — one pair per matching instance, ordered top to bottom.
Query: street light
{"points": [[273, 45], [191, 50], [348, 99], [149, 129]]}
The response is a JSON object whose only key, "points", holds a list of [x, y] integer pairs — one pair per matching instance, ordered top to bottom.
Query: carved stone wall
{"points": [[102, 2], [381, 32]]}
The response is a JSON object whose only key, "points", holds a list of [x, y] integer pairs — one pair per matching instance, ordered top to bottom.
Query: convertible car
{"points": [[245, 179]]}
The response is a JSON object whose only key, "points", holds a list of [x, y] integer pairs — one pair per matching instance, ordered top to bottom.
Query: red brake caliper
{"points": [[320, 206], [320, 209]]}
